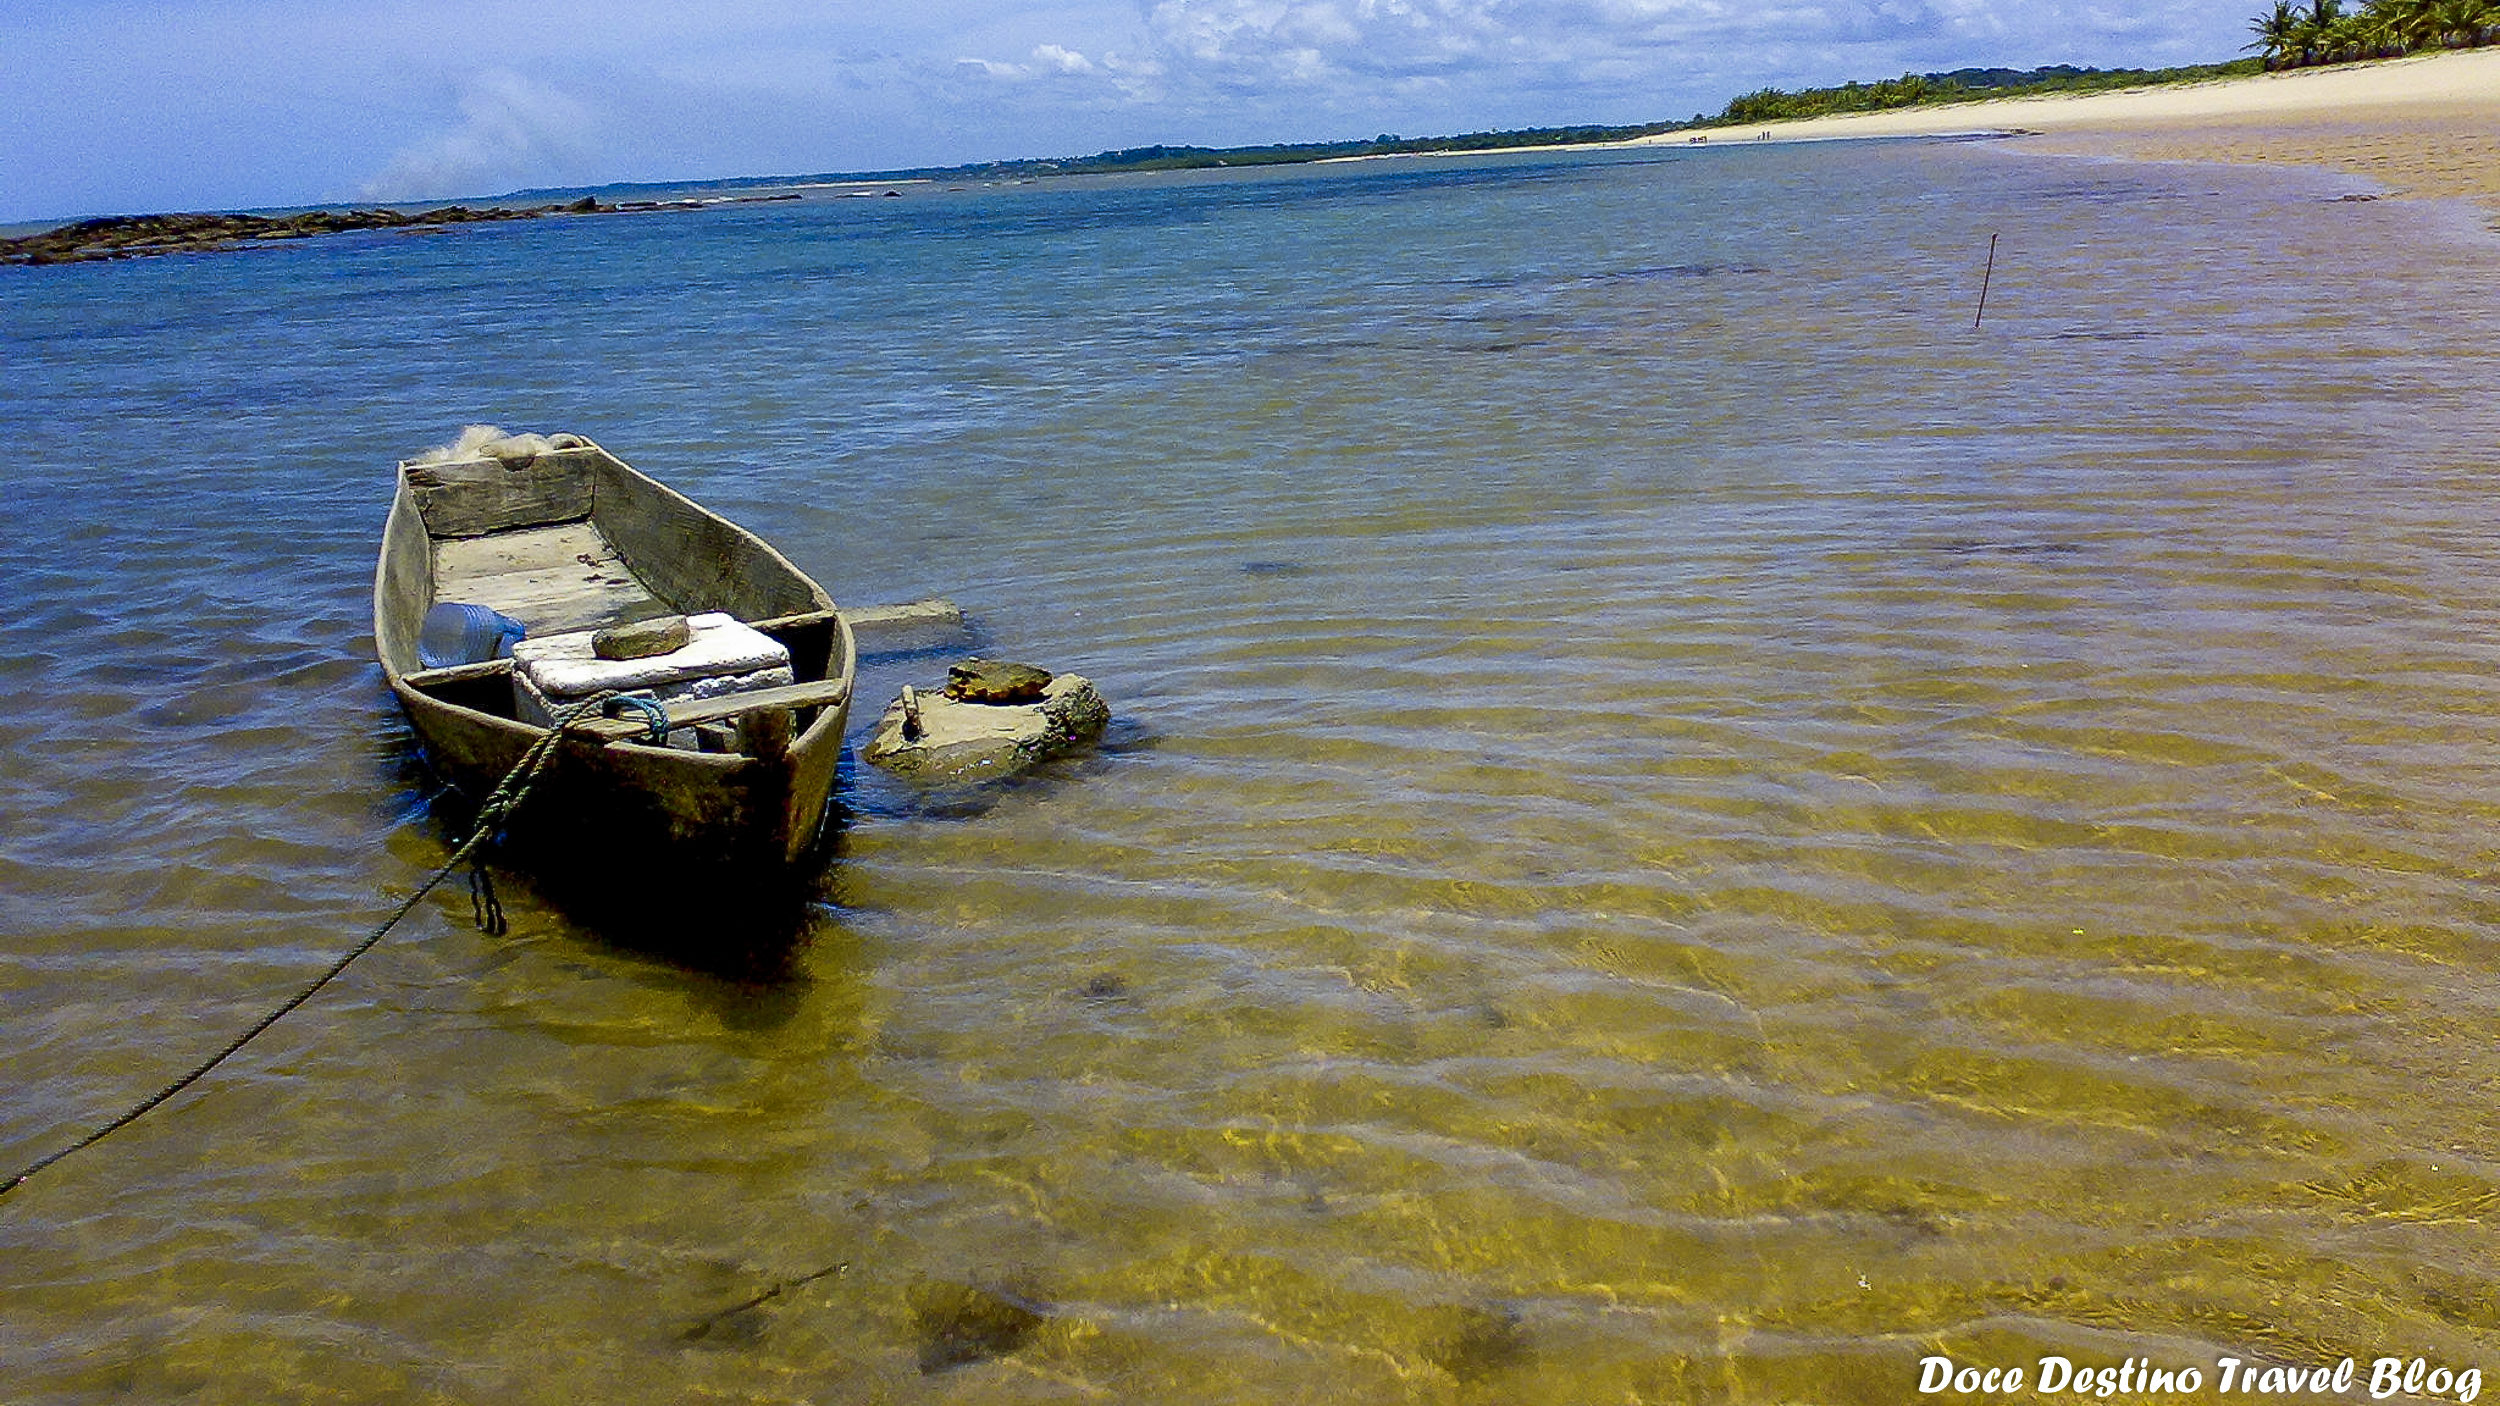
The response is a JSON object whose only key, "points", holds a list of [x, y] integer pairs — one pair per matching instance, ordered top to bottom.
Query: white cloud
{"points": [[1255, 44], [1063, 60], [1053, 61], [1217, 72], [514, 131]]}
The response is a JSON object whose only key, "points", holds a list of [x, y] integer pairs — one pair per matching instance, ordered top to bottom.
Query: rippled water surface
{"points": [[1682, 825]]}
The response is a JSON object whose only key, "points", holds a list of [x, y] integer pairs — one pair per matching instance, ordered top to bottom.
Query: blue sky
{"points": [[120, 106]]}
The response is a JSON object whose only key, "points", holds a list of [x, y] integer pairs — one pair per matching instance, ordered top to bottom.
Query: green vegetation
{"points": [[2291, 37], [1960, 86], [1193, 158]]}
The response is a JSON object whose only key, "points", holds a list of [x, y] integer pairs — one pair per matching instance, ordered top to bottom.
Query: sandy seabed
{"points": [[2424, 125]]}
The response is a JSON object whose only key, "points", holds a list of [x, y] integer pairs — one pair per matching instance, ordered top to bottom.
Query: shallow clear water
{"points": [[1682, 826]]}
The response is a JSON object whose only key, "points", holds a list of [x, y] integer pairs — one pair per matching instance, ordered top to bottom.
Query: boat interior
{"points": [[559, 577]]}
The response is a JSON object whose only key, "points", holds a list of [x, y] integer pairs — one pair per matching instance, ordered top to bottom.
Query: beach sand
{"points": [[2425, 125]]}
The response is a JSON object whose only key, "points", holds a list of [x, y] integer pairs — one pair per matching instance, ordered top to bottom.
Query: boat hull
{"points": [[602, 806]]}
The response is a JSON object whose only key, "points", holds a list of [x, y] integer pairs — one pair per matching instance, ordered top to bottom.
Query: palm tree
{"points": [[2459, 22], [2409, 23], [2312, 32], [2277, 34], [2365, 35], [2289, 36], [2354, 36], [2306, 38], [2317, 40]]}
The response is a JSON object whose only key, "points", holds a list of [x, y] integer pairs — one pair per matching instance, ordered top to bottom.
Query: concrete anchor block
{"points": [[932, 737]]}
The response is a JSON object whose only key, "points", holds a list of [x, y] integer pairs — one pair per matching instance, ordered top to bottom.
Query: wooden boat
{"points": [[570, 539]]}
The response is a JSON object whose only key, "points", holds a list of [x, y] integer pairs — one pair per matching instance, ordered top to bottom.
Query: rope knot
{"points": [[654, 716]]}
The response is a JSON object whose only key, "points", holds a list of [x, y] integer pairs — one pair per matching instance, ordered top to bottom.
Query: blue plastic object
{"points": [[457, 633]]}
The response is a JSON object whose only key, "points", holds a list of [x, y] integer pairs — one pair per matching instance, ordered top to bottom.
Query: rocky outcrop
{"points": [[131, 236], [947, 739]]}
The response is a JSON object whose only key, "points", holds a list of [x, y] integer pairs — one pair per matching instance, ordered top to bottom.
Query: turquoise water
{"points": [[1683, 825]]}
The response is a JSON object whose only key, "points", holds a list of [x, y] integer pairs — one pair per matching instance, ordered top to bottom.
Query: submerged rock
{"points": [[935, 623], [944, 738], [960, 1324], [1482, 1342]]}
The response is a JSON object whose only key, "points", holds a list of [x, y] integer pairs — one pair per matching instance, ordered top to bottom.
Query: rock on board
{"points": [[643, 639], [996, 681], [956, 741]]}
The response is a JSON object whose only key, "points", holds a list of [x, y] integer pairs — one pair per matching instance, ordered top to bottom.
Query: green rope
{"points": [[654, 716], [491, 814]]}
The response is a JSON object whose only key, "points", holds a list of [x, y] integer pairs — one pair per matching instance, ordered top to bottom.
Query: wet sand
{"points": [[2426, 125]]}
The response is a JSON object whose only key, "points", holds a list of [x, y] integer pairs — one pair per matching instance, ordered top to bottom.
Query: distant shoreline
{"points": [[2423, 125]]}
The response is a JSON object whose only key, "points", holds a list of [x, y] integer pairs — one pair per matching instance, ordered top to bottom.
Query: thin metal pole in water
{"points": [[1983, 283]]}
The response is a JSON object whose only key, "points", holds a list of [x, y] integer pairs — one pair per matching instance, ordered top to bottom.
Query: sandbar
{"points": [[2423, 125]]}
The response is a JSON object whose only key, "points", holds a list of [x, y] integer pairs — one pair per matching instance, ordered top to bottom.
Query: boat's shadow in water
{"points": [[747, 926], [753, 938]]}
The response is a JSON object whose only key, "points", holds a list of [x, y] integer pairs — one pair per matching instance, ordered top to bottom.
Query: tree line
{"points": [[2290, 36], [1959, 86], [1190, 158]]}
